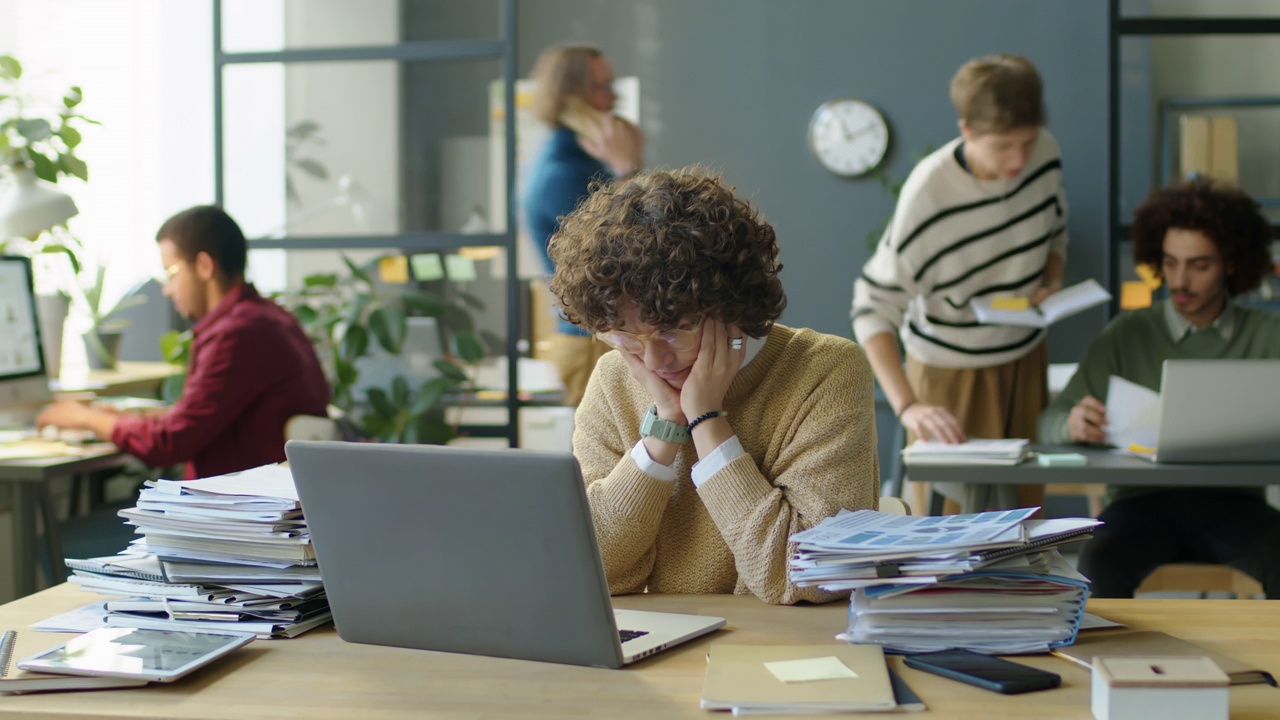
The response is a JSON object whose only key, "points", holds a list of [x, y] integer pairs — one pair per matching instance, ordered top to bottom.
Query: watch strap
{"points": [[664, 430]]}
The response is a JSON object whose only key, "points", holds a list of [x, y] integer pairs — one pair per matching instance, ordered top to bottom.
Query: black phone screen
{"points": [[985, 671]]}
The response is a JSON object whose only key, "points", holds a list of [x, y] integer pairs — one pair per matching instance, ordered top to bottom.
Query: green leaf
{"points": [[10, 67], [33, 129], [302, 129], [69, 135], [73, 165], [43, 167], [313, 168], [64, 248], [356, 271], [320, 280], [471, 300], [427, 303], [355, 308], [306, 315], [457, 319], [388, 326], [355, 342], [495, 343], [175, 346], [467, 347], [450, 370], [346, 372], [171, 388], [400, 390], [429, 394], [381, 403], [373, 425], [434, 432]]}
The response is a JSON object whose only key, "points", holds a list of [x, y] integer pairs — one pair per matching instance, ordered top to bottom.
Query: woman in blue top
{"points": [[574, 95]]}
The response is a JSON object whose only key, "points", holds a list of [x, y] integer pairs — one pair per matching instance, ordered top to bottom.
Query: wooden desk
{"points": [[129, 378], [1104, 466], [31, 499], [318, 676]]}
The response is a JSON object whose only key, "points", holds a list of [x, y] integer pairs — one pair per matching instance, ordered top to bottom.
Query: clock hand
{"points": [[860, 131]]}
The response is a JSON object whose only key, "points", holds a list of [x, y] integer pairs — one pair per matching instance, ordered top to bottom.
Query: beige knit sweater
{"points": [[803, 410]]}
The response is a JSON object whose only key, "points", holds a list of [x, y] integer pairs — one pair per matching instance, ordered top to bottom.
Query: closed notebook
{"points": [[1157, 644], [737, 678]]}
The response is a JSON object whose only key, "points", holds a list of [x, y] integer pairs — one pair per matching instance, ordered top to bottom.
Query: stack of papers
{"points": [[973, 452], [228, 553], [990, 582]]}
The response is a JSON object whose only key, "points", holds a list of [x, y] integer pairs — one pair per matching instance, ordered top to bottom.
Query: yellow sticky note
{"points": [[394, 269], [1149, 276], [1134, 294], [1010, 303], [809, 669]]}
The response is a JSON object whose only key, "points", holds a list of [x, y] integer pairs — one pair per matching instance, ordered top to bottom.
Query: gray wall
{"points": [[733, 83]]}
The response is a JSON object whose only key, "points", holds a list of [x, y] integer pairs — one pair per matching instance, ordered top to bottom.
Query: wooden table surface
{"points": [[319, 676]]}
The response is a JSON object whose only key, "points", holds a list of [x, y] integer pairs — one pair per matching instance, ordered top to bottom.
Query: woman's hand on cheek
{"points": [[714, 370], [665, 397]]}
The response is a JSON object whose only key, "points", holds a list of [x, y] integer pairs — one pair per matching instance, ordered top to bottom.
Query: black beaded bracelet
{"points": [[705, 417]]}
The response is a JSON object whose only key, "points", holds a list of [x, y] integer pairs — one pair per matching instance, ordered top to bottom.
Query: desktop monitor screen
{"points": [[22, 372]]}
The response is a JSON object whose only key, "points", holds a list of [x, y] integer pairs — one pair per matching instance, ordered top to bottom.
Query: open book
{"points": [[1018, 311]]}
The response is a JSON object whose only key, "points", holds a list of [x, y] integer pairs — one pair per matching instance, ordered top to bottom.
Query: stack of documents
{"points": [[1018, 311], [973, 452], [223, 553], [991, 582]]}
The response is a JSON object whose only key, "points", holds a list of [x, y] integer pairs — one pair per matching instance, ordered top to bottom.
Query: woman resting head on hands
{"points": [[713, 433]]}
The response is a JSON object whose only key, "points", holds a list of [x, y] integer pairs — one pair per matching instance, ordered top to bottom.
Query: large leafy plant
{"points": [[346, 316]]}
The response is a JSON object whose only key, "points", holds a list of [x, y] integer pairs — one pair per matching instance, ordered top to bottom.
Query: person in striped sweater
{"points": [[985, 215], [712, 433]]}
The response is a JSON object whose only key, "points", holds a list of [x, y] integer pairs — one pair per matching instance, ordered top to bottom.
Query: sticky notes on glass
{"points": [[427, 266], [394, 269], [461, 269], [1134, 294], [1008, 302], [810, 669]]}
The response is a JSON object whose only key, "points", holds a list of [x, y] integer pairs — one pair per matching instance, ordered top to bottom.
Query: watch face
{"points": [[849, 137]]}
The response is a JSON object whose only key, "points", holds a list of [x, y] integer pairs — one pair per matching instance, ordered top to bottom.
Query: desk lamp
{"points": [[31, 206]]}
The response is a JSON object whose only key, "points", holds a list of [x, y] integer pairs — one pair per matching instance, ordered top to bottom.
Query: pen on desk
{"points": [[6, 650]]}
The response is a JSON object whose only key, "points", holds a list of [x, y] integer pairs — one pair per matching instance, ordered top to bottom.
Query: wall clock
{"points": [[849, 137]]}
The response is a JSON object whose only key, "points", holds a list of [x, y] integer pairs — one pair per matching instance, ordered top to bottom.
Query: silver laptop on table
{"points": [[1214, 411], [485, 552]]}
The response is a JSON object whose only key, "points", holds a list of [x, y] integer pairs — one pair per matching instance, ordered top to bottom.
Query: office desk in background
{"points": [[129, 378], [1104, 466], [30, 479], [318, 676]]}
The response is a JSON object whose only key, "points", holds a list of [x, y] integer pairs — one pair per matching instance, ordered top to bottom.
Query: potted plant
{"points": [[347, 316], [102, 339]]}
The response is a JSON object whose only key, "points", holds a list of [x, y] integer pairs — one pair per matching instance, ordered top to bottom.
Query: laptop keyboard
{"points": [[625, 635]]}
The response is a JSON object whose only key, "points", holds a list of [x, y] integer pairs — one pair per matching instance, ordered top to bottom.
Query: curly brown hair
{"points": [[1224, 213], [676, 243]]}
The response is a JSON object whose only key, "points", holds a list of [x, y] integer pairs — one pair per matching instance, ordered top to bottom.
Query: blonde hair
{"points": [[562, 72], [998, 93]]}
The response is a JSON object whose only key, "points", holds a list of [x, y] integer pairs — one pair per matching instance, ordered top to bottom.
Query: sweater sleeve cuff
{"points": [[868, 326], [127, 426], [727, 452], [649, 466], [635, 495]]}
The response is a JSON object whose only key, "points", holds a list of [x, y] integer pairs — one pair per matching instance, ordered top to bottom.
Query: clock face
{"points": [[849, 137]]}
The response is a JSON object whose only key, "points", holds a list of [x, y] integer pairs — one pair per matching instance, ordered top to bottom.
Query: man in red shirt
{"points": [[251, 367]]}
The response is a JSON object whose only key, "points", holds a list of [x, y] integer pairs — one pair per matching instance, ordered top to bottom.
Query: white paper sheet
{"points": [[1133, 414]]}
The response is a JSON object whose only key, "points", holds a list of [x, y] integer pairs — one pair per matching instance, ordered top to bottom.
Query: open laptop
{"points": [[1215, 411], [485, 552]]}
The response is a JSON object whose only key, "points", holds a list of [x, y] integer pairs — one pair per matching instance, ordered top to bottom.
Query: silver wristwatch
{"points": [[664, 430]]}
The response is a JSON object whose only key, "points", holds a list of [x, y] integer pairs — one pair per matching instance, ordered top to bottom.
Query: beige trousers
{"points": [[1003, 401]]}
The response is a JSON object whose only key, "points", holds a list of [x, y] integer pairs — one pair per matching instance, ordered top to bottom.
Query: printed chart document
{"points": [[1017, 311], [1133, 416]]}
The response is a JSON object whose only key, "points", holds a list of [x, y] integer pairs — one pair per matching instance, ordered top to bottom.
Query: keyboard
{"points": [[625, 635]]}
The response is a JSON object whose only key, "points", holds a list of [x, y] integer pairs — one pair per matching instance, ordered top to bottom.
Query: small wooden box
{"points": [[1168, 688]]}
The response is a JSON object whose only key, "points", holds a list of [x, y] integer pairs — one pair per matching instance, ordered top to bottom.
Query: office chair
{"points": [[1202, 578]]}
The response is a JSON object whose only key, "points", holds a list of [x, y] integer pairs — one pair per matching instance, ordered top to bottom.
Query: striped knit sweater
{"points": [[953, 238], [803, 411]]}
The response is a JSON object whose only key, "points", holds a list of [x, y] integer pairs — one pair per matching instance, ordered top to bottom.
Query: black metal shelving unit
{"points": [[502, 49]]}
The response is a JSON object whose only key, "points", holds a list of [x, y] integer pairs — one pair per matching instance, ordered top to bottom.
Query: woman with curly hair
{"points": [[1210, 243], [713, 433]]}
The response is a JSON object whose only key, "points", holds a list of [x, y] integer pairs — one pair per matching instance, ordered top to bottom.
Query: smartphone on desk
{"points": [[985, 671]]}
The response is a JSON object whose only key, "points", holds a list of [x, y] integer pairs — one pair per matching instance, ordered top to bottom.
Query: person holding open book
{"points": [[574, 96], [984, 215], [1210, 243], [713, 433]]}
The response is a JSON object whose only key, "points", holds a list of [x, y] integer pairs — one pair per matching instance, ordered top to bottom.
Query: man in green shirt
{"points": [[1210, 243]]}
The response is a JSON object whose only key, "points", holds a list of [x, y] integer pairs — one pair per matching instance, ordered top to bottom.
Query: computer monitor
{"points": [[24, 385]]}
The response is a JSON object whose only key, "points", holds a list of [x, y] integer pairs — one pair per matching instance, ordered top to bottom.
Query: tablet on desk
{"points": [[154, 655]]}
